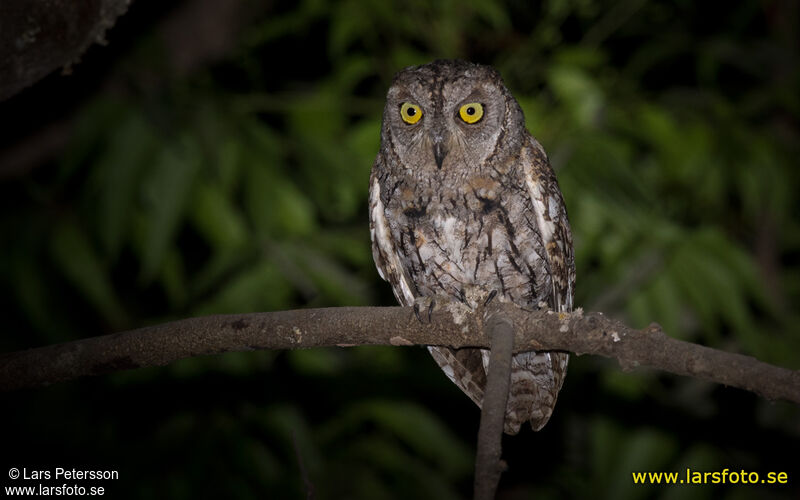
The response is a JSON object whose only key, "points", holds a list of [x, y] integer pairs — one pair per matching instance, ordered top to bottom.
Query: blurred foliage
{"points": [[673, 128]]}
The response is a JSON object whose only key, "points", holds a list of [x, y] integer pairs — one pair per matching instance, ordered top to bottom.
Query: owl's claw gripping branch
{"points": [[424, 303], [416, 313]]}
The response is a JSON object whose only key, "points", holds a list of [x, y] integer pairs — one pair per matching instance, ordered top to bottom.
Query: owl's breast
{"points": [[482, 235]]}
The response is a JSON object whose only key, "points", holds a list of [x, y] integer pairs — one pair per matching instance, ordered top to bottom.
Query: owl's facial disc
{"points": [[448, 118]]}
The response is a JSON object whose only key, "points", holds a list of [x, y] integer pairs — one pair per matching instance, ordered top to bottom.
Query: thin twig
{"points": [[488, 463], [309, 486]]}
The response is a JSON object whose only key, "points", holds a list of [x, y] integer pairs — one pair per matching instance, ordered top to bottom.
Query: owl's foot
{"points": [[474, 296], [427, 304], [424, 307]]}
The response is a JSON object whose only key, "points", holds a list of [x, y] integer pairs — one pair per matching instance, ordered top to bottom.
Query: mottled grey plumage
{"points": [[463, 209]]}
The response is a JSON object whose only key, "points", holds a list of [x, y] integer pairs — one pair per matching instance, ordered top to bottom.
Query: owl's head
{"points": [[447, 117]]}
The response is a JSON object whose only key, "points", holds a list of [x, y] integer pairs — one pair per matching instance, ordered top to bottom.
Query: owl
{"points": [[464, 204]]}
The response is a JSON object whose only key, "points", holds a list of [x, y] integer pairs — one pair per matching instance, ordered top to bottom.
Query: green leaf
{"points": [[495, 14], [348, 21], [579, 93], [93, 123], [129, 151], [229, 164], [167, 190], [276, 207], [216, 218], [350, 245], [77, 260], [691, 276], [173, 278], [335, 283], [260, 287], [34, 296], [666, 304], [315, 362], [423, 433], [298, 441], [617, 452], [409, 477]]}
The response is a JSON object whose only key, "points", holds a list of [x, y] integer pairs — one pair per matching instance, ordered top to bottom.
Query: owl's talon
{"points": [[491, 296], [426, 304], [429, 305], [416, 312]]}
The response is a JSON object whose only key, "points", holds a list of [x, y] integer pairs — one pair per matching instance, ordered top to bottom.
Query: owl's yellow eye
{"points": [[471, 112], [410, 113]]}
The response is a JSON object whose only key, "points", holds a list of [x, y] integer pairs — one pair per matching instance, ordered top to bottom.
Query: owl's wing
{"points": [[551, 215], [551, 218], [384, 251]]}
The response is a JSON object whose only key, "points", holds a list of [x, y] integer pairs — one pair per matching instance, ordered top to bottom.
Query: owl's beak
{"points": [[439, 153]]}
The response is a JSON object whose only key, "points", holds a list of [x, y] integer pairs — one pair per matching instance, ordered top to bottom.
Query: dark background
{"points": [[214, 157]]}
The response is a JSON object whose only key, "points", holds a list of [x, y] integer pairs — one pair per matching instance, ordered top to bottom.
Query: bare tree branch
{"points": [[30, 28], [38, 36], [590, 333], [488, 465]]}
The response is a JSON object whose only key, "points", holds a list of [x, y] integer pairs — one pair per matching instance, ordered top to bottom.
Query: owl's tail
{"points": [[536, 379]]}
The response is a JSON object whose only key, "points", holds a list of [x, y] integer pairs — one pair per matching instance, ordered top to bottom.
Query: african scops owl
{"points": [[463, 203]]}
